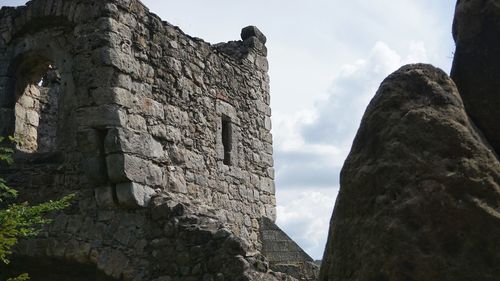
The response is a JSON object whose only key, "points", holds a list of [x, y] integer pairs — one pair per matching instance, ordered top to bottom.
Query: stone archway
{"points": [[38, 93]]}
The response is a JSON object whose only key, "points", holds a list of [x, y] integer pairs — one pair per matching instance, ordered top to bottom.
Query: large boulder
{"points": [[476, 67], [419, 192]]}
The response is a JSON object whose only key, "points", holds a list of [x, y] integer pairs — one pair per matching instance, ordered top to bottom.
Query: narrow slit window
{"points": [[227, 139]]}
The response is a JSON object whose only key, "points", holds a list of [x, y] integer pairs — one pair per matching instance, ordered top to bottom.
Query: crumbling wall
{"points": [[173, 95], [165, 140], [284, 255], [50, 269]]}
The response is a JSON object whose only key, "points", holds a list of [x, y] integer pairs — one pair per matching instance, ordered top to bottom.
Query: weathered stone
{"points": [[252, 31], [475, 69], [140, 111], [100, 117], [173, 134], [124, 141], [90, 143], [125, 167], [176, 180], [267, 185], [419, 192], [133, 195], [104, 196], [283, 254]]}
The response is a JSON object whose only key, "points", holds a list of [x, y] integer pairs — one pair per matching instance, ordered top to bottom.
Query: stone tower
{"points": [[164, 138]]}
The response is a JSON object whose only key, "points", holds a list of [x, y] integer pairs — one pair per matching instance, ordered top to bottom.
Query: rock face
{"points": [[476, 70], [136, 117], [420, 190]]}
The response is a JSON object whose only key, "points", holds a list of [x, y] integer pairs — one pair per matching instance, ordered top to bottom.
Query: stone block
{"points": [[253, 31], [253, 42], [112, 57], [262, 63], [114, 95], [263, 107], [152, 108], [224, 108], [101, 116], [175, 116], [32, 118], [136, 122], [267, 123], [158, 131], [173, 134], [119, 140], [89, 142], [267, 159], [116, 165], [125, 167], [95, 169], [271, 172], [176, 180], [267, 185], [133, 195], [104, 196], [113, 263]]}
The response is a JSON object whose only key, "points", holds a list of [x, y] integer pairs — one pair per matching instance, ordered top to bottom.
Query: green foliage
{"points": [[5, 151], [5, 156], [18, 220], [23, 220], [22, 277]]}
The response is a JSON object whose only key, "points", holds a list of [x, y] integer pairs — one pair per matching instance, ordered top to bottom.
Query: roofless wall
{"points": [[164, 138]]}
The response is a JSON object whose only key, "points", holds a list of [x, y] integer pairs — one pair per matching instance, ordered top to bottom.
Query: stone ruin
{"points": [[164, 138]]}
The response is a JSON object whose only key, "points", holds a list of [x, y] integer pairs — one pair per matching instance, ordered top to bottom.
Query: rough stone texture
{"points": [[252, 31], [475, 67], [35, 103], [136, 125], [420, 190], [161, 243], [284, 255], [60, 270]]}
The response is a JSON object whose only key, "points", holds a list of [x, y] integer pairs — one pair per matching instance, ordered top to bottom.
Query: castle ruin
{"points": [[164, 138]]}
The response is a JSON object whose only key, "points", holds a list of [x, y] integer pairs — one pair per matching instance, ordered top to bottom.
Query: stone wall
{"points": [[172, 96], [36, 113], [164, 138], [163, 242], [284, 255]]}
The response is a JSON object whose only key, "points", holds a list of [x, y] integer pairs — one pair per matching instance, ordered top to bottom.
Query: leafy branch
{"points": [[20, 220]]}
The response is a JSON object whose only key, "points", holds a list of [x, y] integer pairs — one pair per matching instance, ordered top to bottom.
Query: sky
{"points": [[327, 59]]}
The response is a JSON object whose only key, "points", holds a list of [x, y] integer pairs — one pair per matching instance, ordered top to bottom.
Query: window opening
{"points": [[37, 106], [227, 139]]}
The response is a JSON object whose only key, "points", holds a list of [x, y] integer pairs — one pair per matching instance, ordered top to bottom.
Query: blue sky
{"points": [[327, 58]]}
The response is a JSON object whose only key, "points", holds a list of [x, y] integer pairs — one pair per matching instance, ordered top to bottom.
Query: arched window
{"points": [[37, 91]]}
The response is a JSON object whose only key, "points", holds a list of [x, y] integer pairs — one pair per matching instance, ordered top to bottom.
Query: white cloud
{"points": [[310, 43], [338, 116], [310, 146], [304, 215]]}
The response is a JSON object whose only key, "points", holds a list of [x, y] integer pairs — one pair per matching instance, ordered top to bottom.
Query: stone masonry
{"points": [[164, 138]]}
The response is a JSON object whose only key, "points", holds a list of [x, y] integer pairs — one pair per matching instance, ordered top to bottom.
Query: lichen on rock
{"points": [[420, 190]]}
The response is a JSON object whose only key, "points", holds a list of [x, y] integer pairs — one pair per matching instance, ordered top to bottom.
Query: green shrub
{"points": [[20, 220]]}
